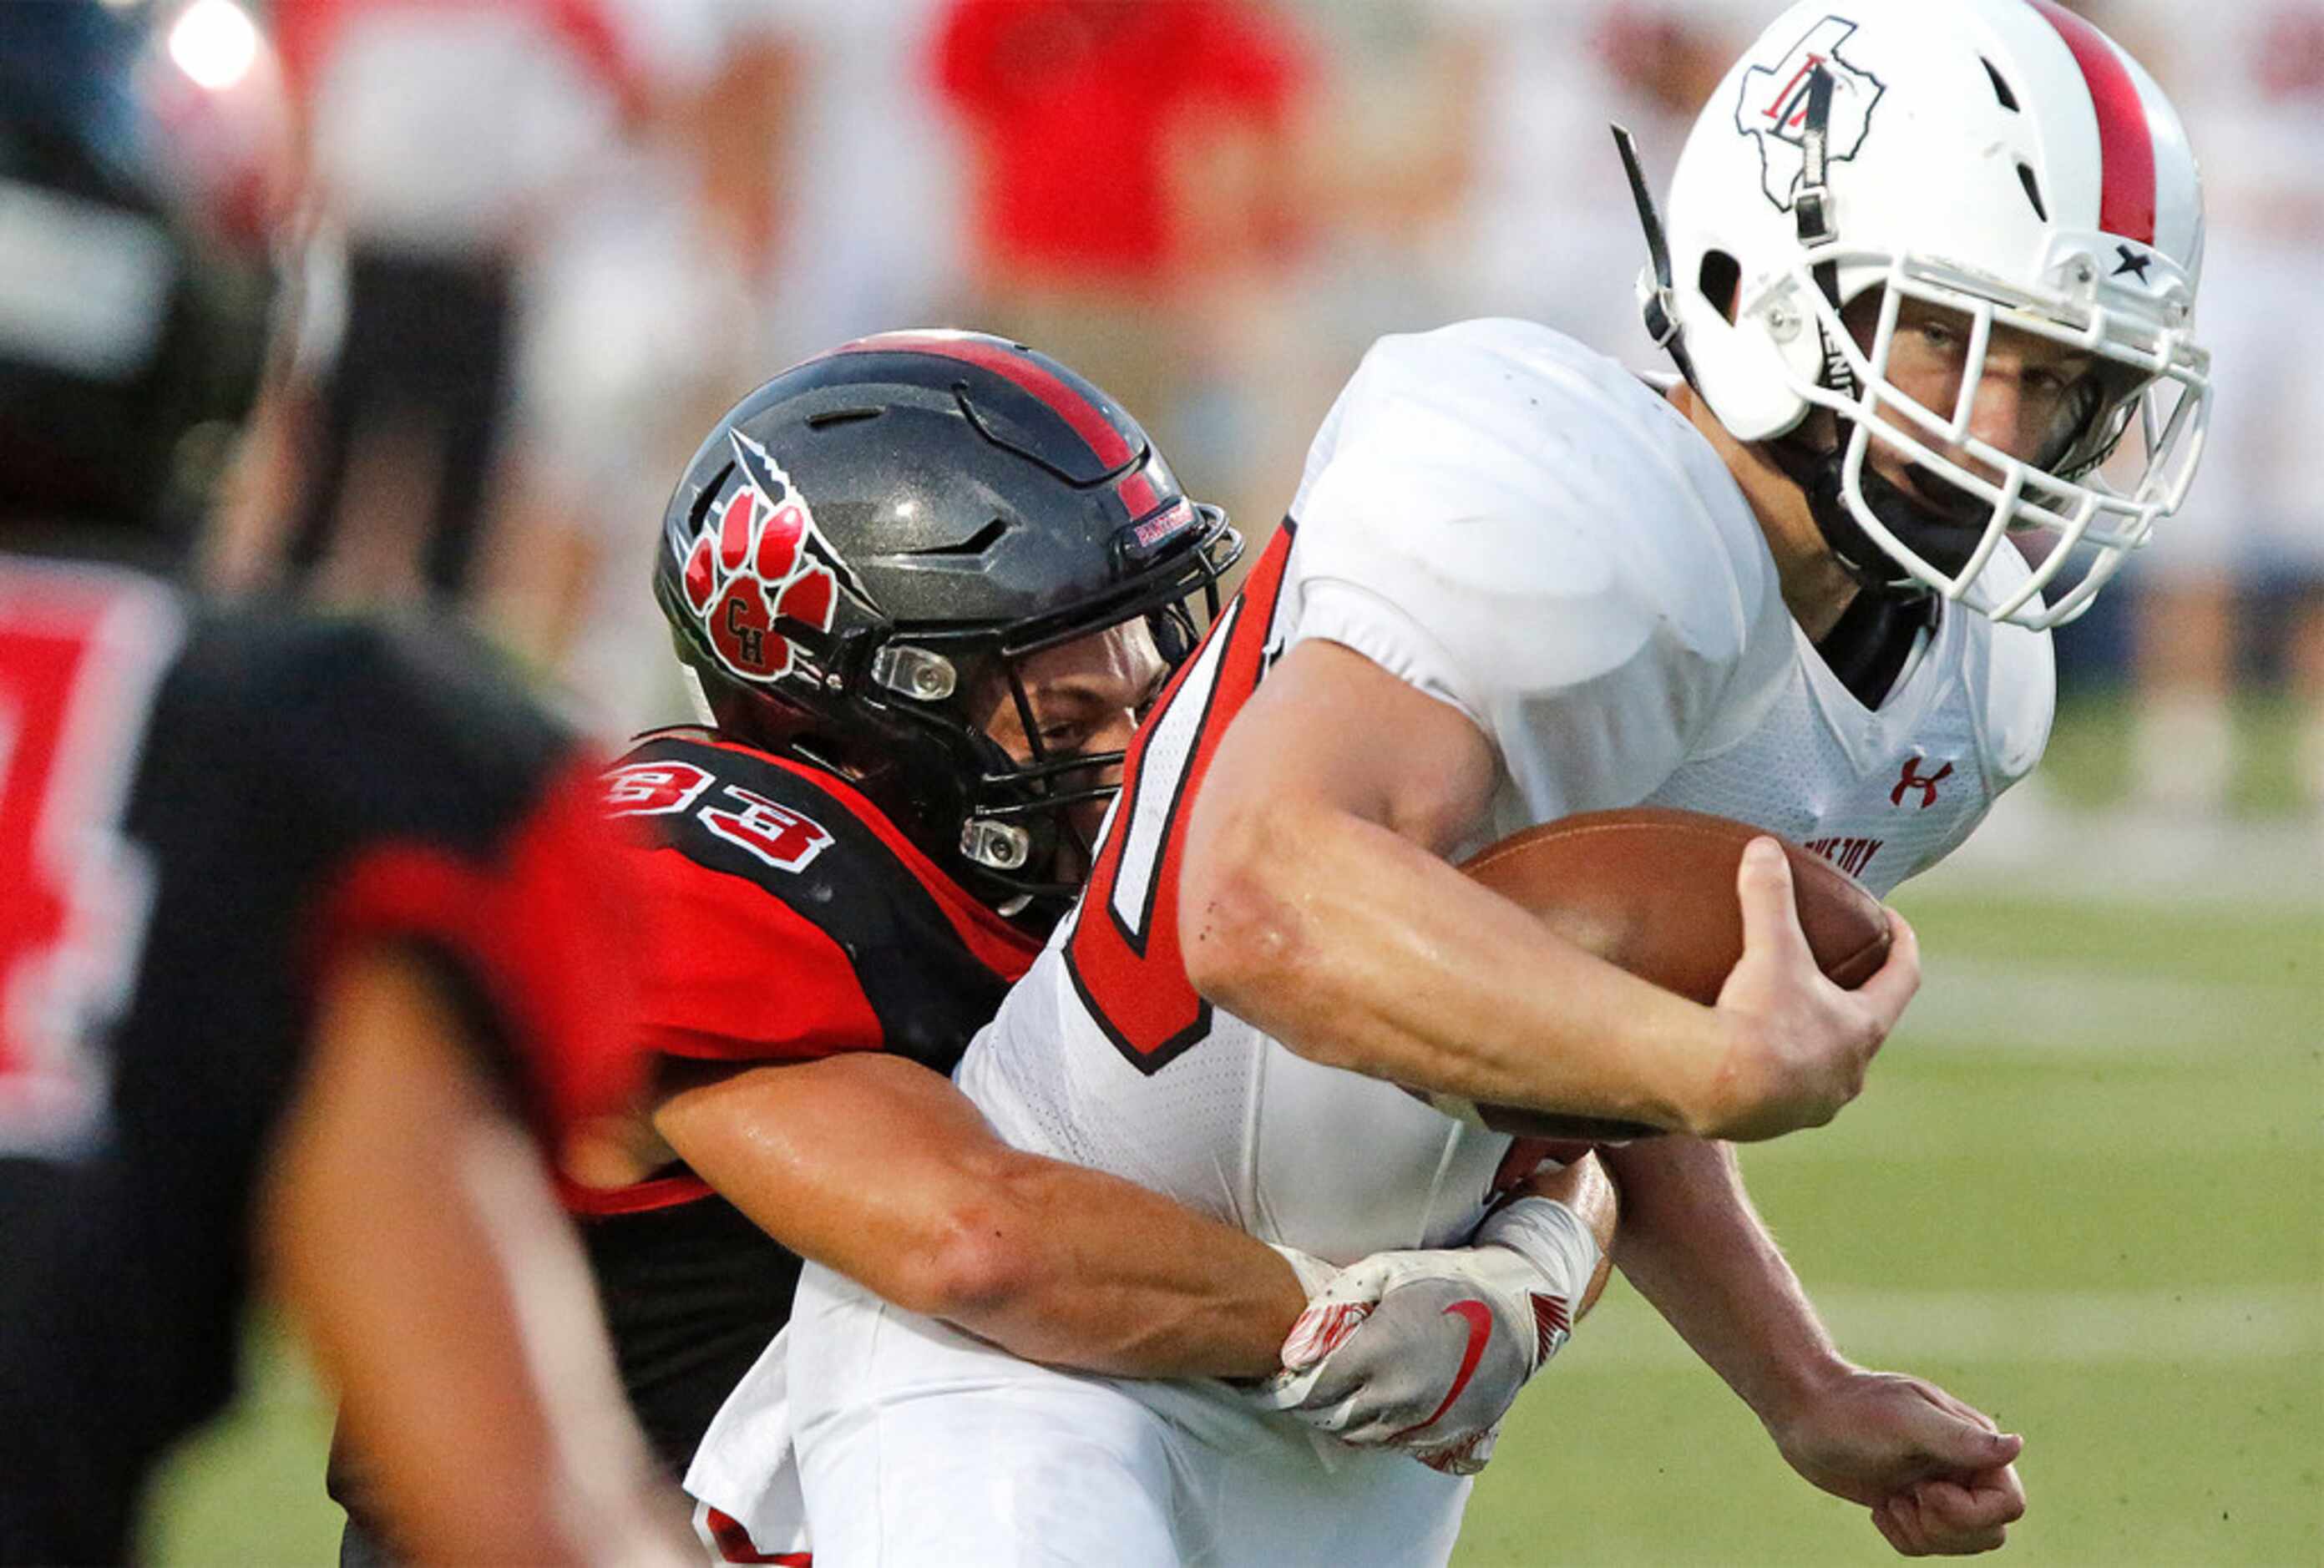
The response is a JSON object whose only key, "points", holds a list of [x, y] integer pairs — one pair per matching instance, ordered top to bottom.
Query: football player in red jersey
{"points": [[926, 585], [306, 950]]}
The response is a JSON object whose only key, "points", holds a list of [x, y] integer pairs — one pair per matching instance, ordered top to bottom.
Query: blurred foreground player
{"points": [[1926, 266], [305, 942]]}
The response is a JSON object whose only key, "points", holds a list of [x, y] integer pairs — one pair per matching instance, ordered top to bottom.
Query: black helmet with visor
{"points": [[879, 538]]}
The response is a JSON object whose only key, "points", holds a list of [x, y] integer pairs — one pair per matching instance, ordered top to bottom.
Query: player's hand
{"points": [[1799, 1045], [1425, 1351], [1937, 1474]]}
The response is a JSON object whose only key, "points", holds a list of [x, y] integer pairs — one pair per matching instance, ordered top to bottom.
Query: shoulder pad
{"points": [[931, 962]]}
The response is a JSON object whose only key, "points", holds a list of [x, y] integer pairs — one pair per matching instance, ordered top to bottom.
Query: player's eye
{"points": [[2050, 386], [1152, 695]]}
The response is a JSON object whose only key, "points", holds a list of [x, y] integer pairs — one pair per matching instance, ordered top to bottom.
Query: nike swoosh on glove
{"points": [[1425, 1351]]}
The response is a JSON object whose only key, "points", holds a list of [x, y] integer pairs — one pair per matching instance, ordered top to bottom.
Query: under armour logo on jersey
{"points": [[1772, 109], [1911, 777]]}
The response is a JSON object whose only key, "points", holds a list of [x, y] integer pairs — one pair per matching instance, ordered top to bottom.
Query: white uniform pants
{"points": [[919, 1446]]}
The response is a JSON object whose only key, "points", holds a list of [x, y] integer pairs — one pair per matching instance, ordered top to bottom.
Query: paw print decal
{"points": [[759, 568]]}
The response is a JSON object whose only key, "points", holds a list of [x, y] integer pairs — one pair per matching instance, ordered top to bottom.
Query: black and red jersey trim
{"points": [[902, 959], [1131, 979]]}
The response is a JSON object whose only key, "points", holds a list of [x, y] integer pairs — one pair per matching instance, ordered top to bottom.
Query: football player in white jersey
{"points": [[1926, 268]]}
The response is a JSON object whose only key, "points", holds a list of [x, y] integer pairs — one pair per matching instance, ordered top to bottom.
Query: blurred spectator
{"points": [[2249, 76], [432, 133], [869, 174], [1138, 195], [1549, 231], [529, 237], [641, 312]]}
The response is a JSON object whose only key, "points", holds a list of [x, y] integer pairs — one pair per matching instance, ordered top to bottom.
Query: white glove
{"points": [[1425, 1352]]}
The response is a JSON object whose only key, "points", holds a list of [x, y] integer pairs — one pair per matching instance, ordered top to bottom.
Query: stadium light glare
{"points": [[215, 43]]}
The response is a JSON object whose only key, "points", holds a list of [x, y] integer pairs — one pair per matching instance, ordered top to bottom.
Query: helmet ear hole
{"points": [[1717, 280]]}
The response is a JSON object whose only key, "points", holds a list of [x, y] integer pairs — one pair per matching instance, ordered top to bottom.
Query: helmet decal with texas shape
{"points": [[1772, 106], [764, 566]]}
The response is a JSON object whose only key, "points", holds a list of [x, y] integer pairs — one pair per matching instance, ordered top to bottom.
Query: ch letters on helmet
{"points": [[759, 565]]}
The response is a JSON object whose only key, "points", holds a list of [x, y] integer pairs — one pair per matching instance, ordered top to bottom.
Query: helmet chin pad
{"points": [[1946, 542]]}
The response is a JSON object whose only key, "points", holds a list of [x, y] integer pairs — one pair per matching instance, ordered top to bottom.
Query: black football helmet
{"points": [[133, 313], [871, 538]]}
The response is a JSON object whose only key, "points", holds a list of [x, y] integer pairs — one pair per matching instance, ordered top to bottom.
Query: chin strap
{"points": [[1812, 213], [1661, 307], [1945, 545]]}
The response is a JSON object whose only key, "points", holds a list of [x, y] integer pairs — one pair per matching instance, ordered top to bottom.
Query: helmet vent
{"points": [[2000, 88], [2033, 190], [830, 416], [976, 544]]}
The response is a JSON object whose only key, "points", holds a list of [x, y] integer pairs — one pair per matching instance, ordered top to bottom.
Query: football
{"points": [[1654, 891]]}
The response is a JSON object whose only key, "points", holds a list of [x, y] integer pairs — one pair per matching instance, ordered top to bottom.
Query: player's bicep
{"points": [[1330, 728], [1337, 770]]}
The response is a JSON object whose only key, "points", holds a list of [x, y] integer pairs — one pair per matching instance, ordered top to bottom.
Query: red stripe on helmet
{"points": [[2126, 143], [1084, 418], [1138, 494]]}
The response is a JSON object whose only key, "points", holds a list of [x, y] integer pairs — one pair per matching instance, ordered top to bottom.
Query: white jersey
{"points": [[1518, 527]]}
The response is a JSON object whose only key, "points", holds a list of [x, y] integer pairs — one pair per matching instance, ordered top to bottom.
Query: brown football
{"points": [[1654, 892]]}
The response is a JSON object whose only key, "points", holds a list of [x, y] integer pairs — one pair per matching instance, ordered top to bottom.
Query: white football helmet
{"points": [[1999, 158]]}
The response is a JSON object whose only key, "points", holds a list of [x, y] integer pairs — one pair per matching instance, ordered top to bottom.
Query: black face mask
{"points": [[1943, 525]]}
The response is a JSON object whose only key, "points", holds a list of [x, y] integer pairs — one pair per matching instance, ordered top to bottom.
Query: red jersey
{"points": [[196, 814], [783, 918]]}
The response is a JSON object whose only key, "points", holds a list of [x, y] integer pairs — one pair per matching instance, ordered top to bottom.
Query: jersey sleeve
{"points": [[1530, 535], [376, 785], [729, 971]]}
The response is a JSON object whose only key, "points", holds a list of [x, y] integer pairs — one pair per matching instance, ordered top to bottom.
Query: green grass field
{"points": [[2086, 1190], [2107, 1229]]}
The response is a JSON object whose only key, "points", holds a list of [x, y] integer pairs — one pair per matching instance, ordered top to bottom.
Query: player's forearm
{"points": [[1361, 950], [885, 1172], [1693, 1246], [1077, 1268]]}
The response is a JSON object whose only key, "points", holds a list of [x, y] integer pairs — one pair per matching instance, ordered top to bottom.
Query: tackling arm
{"points": [[1315, 904], [882, 1170]]}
